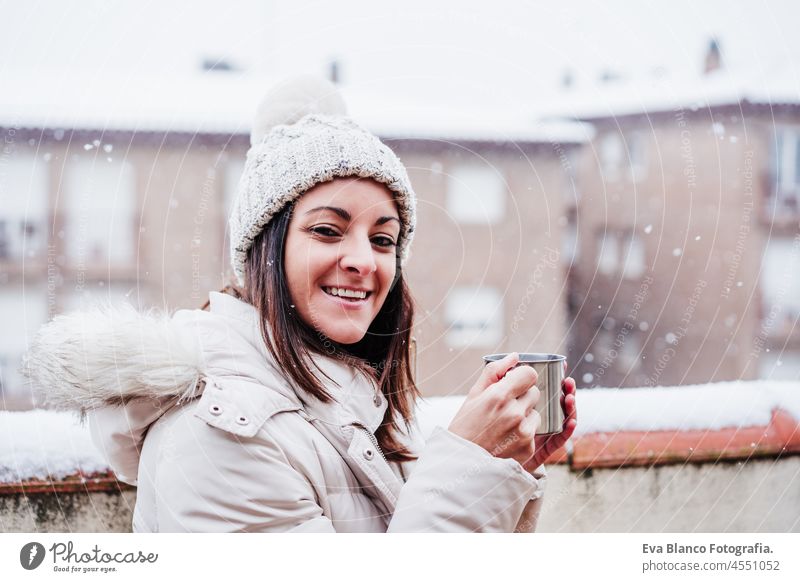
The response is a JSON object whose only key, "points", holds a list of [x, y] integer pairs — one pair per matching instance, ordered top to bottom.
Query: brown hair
{"points": [[384, 354]]}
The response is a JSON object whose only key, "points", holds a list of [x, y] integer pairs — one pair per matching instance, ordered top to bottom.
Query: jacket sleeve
{"points": [[119, 431], [211, 480], [458, 486], [530, 517]]}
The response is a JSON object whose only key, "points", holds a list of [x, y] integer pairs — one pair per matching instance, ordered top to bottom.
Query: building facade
{"points": [[115, 213], [688, 266]]}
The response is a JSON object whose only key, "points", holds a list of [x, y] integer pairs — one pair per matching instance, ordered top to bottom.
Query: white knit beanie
{"points": [[301, 137]]}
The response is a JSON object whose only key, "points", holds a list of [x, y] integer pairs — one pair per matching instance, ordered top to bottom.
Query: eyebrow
{"points": [[346, 215]]}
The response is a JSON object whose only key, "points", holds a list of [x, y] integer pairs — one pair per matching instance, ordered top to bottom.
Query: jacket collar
{"points": [[354, 394], [339, 421]]}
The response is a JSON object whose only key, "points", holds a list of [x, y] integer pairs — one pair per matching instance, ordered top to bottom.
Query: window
{"points": [[618, 151], [611, 153], [637, 155], [570, 158], [234, 169], [787, 170], [476, 194], [23, 206], [100, 211], [5, 241], [569, 243], [608, 249], [621, 253], [634, 256], [780, 280], [23, 312], [474, 316], [616, 350], [629, 351], [779, 365]]}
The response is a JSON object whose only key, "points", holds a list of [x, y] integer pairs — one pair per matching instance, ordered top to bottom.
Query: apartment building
{"points": [[119, 190], [687, 267]]}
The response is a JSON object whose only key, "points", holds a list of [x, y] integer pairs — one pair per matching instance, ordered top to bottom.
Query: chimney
{"points": [[713, 57], [221, 64], [333, 72], [609, 76], [567, 79]]}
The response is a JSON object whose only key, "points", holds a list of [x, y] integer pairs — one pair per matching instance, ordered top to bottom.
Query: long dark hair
{"points": [[383, 355]]}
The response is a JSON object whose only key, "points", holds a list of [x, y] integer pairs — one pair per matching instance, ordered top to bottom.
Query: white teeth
{"points": [[345, 292]]}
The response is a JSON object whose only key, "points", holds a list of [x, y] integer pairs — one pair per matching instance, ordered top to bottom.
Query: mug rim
{"points": [[527, 357]]}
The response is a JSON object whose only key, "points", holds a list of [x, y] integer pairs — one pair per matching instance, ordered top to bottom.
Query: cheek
{"points": [[297, 267], [387, 274]]}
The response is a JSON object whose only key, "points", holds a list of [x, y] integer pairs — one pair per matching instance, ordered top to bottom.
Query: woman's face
{"points": [[340, 255]]}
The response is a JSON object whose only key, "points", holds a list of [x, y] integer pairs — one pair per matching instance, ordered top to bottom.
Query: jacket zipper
{"points": [[374, 441], [377, 446], [379, 482]]}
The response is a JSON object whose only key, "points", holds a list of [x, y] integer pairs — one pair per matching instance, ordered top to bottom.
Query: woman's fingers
{"points": [[493, 372], [516, 382], [571, 398], [529, 399], [569, 401], [503, 404], [569, 405], [572, 410], [570, 418], [530, 425], [547, 445]]}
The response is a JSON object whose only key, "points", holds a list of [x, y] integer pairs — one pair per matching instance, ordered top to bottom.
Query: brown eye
{"points": [[324, 231], [383, 241]]}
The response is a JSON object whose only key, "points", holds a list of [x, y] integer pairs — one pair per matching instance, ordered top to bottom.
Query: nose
{"points": [[357, 256]]}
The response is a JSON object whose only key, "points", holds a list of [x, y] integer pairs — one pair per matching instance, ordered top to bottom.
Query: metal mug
{"points": [[551, 369]]}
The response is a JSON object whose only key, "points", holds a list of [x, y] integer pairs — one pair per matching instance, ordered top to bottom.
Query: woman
{"points": [[288, 404]]}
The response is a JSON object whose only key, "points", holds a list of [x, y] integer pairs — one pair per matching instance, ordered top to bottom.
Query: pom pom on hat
{"points": [[289, 102], [301, 137]]}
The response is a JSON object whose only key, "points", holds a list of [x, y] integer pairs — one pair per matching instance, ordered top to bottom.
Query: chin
{"points": [[345, 336]]}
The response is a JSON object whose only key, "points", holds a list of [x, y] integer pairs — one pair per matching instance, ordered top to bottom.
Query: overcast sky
{"points": [[449, 49]]}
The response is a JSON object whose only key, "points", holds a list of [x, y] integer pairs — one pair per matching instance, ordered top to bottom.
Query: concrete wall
{"points": [[752, 496], [67, 512]]}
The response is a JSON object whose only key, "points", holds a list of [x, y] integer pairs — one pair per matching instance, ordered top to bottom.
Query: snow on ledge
{"points": [[696, 407], [41, 444], [45, 444]]}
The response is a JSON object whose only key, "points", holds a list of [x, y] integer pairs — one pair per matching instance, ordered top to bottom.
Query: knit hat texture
{"points": [[302, 137]]}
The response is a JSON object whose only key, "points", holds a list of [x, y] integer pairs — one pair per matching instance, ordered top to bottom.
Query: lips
{"points": [[347, 293], [348, 303]]}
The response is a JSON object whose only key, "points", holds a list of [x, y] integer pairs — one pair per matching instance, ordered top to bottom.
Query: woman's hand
{"points": [[499, 411], [547, 444]]}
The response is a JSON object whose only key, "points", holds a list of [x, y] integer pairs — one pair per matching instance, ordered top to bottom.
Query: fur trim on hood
{"points": [[108, 355]]}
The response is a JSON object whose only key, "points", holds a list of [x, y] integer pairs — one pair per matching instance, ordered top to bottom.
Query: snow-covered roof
{"points": [[775, 86], [224, 103], [39, 443]]}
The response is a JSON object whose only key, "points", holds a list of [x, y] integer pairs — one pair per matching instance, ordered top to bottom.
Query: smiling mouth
{"points": [[347, 294]]}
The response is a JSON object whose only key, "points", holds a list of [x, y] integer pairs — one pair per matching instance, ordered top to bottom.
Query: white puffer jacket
{"points": [[249, 453]]}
